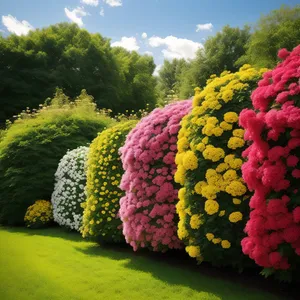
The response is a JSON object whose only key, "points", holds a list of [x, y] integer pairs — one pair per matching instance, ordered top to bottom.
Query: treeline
{"points": [[228, 50], [65, 56]]}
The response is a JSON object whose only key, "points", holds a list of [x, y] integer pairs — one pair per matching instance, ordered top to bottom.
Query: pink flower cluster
{"points": [[272, 169], [148, 208]]}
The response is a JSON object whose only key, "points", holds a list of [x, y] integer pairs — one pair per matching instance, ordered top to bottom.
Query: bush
{"points": [[32, 147], [272, 169], [69, 191], [213, 206], [148, 208], [39, 214], [100, 219]]}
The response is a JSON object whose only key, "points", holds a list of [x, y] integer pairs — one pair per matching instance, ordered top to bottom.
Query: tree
{"points": [[279, 29], [220, 53], [65, 56], [170, 79], [137, 82]]}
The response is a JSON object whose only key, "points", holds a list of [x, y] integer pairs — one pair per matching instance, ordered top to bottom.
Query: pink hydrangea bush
{"points": [[272, 169], [148, 208]]}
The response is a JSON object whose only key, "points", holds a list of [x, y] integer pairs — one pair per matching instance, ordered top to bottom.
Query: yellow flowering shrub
{"points": [[213, 201], [39, 214], [100, 216]]}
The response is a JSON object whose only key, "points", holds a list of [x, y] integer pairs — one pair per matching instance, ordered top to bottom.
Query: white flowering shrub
{"points": [[69, 191]]}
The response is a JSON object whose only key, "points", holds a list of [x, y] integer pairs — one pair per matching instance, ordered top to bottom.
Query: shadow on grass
{"points": [[53, 231], [173, 267], [177, 268]]}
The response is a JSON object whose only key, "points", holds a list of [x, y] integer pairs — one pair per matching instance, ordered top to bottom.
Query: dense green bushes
{"points": [[32, 147]]}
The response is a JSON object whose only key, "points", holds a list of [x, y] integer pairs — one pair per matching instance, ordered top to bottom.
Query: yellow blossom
{"points": [[231, 117], [235, 142], [190, 161], [211, 207], [235, 217], [195, 221], [210, 236], [225, 244], [193, 251]]}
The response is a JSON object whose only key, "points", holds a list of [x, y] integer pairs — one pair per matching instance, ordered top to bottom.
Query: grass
{"points": [[55, 264]]}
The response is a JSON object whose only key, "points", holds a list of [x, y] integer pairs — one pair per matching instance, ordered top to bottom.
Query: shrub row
{"points": [[237, 162]]}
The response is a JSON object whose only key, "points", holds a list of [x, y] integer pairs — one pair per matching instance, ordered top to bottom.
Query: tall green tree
{"points": [[279, 29], [220, 53], [64, 56], [170, 79], [137, 82]]}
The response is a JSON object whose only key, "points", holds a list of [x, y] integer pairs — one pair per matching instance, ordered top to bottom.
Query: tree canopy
{"points": [[277, 30], [65, 56]]}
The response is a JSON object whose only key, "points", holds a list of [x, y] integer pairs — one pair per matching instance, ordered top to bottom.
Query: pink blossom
{"points": [[148, 158]]}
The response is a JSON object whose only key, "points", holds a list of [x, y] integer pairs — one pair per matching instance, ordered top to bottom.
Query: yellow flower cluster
{"points": [[210, 143], [103, 178], [39, 214], [195, 221], [225, 244], [193, 251]]}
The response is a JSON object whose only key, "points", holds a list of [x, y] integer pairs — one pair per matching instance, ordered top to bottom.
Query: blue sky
{"points": [[172, 28]]}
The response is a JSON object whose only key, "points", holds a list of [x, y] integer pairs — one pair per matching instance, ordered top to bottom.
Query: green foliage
{"points": [[277, 30], [220, 53], [65, 56], [170, 80], [137, 85], [33, 145], [100, 220]]}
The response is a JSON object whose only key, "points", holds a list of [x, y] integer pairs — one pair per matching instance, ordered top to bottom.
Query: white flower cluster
{"points": [[69, 191]]}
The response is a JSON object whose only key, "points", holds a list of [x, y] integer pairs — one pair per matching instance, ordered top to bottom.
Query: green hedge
{"points": [[31, 149]]}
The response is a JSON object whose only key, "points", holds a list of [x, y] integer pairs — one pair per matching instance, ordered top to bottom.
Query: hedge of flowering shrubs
{"points": [[31, 149], [272, 169], [220, 175], [69, 189], [213, 205], [148, 208], [39, 214], [100, 219]]}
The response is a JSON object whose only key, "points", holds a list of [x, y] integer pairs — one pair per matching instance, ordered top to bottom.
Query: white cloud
{"points": [[90, 2], [113, 3], [102, 12], [76, 15], [15, 26], [206, 26], [1, 30], [144, 35], [129, 43], [176, 47], [149, 53], [157, 69]]}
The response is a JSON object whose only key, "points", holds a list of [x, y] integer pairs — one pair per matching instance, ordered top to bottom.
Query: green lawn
{"points": [[54, 264]]}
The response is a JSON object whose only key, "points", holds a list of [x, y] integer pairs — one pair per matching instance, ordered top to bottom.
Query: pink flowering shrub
{"points": [[272, 170], [148, 208]]}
